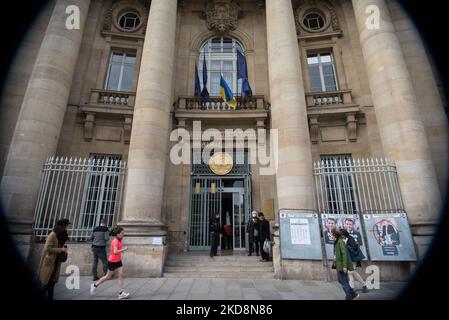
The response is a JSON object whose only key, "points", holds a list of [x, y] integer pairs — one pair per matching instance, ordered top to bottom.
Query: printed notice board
{"points": [[350, 222], [300, 235], [389, 237]]}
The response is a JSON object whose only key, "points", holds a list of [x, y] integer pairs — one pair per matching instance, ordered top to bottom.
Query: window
{"points": [[129, 21], [314, 21], [221, 58], [121, 72], [322, 72], [339, 181], [100, 190]]}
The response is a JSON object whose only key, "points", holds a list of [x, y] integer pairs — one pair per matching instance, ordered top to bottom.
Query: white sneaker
{"points": [[92, 288], [123, 295]]}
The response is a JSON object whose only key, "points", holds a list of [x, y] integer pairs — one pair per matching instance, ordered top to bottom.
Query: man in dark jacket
{"points": [[252, 229], [214, 234], [264, 234], [100, 237]]}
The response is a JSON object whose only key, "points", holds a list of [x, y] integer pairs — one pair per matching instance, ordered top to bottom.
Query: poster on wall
{"points": [[350, 222], [300, 235], [389, 237]]}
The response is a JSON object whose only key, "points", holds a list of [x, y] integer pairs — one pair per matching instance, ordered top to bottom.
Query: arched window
{"points": [[221, 58]]}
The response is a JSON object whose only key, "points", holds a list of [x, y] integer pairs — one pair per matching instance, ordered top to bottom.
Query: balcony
{"points": [[107, 104], [194, 108], [325, 109]]}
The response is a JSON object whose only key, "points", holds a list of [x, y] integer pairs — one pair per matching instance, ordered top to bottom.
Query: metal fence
{"points": [[347, 186], [82, 190]]}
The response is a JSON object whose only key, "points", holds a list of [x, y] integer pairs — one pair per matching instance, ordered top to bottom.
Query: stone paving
{"points": [[220, 289]]}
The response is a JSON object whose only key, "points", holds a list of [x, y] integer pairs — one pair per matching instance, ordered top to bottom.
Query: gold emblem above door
{"points": [[221, 163]]}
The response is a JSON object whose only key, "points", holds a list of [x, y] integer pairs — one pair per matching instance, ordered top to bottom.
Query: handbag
{"points": [[267, 246], [63, 256]]}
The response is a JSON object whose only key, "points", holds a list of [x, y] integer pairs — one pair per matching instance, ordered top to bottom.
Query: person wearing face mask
{"points": [[252, 230]]}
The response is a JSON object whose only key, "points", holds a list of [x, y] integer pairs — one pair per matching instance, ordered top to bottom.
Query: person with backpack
{"points": [[100, 237], [356, 256], [114, 263], [343, 264]]}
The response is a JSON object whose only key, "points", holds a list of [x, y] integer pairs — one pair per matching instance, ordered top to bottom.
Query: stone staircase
{"points": [[201, 265]]}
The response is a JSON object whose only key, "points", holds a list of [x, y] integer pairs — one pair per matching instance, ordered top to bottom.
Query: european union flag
{"points": [[242, 74], [197, 82], [204, 92], [226, 93]]}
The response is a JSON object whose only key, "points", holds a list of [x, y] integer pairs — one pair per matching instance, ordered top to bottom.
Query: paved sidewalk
{"points": [[220, 289]]}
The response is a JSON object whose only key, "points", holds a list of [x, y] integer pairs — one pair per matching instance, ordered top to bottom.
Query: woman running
{"points": [[114, 263]]}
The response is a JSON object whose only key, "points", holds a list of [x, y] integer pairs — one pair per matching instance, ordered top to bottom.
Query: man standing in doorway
{"points": [[214, 234], [264, 234], [100, 237]]}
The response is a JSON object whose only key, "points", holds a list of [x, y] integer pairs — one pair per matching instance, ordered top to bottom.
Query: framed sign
{"points": [[350, 222], [300, 235], [389, 237]]}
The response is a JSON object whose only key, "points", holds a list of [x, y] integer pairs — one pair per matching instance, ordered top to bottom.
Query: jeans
{"points": [[99, 253], [344, 281]]}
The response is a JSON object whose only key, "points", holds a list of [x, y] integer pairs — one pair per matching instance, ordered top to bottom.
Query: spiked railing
{"points": [[80, 189]]}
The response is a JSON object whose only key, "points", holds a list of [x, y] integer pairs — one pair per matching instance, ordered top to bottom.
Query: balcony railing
{"points": [[112, 98], [319, 99], [217, 104]]}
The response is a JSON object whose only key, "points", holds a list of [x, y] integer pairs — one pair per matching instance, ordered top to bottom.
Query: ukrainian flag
{"points": [[226, 93]]}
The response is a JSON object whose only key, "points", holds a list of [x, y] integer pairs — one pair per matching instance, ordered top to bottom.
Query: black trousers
{"points": [[214, 237], [251, 246], [99, 253], [263, 253], [50, 289]]}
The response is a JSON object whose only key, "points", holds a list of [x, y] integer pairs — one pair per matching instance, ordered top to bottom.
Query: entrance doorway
{"points": [[231, 198]]}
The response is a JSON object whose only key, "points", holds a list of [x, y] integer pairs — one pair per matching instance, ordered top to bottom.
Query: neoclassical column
{"points": [[41, 115], [398, 115], [151, 124], [294, 179]]}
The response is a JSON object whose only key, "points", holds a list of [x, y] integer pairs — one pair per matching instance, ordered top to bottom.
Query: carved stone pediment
{"points": [[222, 15]]}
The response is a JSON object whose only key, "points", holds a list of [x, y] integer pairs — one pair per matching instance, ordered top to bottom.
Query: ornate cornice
{"points": [[222, 16]]}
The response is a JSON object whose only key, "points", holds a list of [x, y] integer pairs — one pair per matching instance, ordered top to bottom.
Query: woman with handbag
{"points": [[53, 254], [343, 264]]}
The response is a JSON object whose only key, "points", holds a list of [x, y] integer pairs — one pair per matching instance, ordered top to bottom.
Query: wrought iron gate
{"points": [[206, 194]]}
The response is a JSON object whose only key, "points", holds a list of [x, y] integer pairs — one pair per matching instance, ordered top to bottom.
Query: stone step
{"points": [[243, 259], [230, 264], [217, 269], [231, 275]]}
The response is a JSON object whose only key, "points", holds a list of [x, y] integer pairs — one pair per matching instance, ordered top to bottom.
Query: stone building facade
{"points": [[118, 85]]}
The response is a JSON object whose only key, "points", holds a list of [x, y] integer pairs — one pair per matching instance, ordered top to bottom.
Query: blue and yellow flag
{"points": [[226, 93]]}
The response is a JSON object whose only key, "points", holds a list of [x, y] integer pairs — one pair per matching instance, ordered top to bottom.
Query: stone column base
{"points": [[143, 258]]}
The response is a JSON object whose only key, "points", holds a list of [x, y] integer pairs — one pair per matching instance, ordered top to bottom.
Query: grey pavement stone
{"points": [[220, 289]]}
